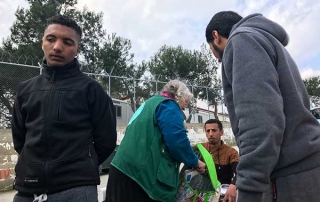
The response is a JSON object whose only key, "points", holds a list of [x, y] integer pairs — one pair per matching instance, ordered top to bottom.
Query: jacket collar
{"points": [[69, 70], [211, 149]]}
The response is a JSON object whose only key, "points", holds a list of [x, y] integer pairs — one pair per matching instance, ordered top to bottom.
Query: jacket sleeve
{"points": [[249, 65], [103, 121], [170, 122], [18, 125], [234, 160]]}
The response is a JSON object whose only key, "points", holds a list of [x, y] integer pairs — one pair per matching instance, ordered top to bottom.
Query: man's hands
{"points": [[201, 167], [231, 194]]}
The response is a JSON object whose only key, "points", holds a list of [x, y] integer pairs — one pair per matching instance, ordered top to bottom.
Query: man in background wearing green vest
{"points": [[146, 165]]}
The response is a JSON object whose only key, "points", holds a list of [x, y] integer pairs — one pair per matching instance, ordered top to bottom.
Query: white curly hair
{"points": [[177, 90]]}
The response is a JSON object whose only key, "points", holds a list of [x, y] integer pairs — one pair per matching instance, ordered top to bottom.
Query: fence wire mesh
{"points": [[119, 85], [123, 87]]}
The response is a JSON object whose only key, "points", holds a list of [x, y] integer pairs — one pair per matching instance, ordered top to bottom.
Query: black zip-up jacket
{"points": [[63, 127]]}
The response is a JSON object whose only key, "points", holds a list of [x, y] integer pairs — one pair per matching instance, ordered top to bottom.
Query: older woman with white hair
{"points": [[146, 165]]}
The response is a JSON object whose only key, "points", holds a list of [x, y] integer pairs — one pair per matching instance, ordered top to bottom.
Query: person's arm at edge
{"points": [[104, 122], [170, 122], [17, 125]]}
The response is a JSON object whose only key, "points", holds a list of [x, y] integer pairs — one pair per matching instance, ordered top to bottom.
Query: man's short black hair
{"points": [[66, 21], [222, 22], [214, 121]]}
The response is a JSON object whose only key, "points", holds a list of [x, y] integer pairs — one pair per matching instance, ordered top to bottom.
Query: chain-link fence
{"points": [[18, 59], [10, 77], [132, 90], [315, 101]]}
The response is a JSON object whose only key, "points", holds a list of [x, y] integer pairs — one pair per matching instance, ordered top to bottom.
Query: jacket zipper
{"points": [[53, 77], [58, 106], [89, 151], [46, 168]]}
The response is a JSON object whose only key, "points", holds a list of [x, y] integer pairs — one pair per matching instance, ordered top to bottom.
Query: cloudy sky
{"points": [[149, 24]]}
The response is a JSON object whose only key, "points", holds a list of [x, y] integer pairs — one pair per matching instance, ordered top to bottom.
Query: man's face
{"points": [[60, 44], [217, 52], [213, 133]]}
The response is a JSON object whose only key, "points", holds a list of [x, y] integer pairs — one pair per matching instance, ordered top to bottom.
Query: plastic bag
{"points": [[196, 187]]}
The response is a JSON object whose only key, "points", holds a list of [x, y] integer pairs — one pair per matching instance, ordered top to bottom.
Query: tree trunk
{"points": [[132, 103], [216, 110], [190, 115]]}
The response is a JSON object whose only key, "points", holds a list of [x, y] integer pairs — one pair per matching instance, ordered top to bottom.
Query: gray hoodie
{"points": [[268, 107]]}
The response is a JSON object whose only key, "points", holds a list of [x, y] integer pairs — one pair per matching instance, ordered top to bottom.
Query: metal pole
{"points": [[40, 66], [109, 81], [157, 83], [109, 86], [134, 94], [222, 95], [208, 102], [222, 111], [194, 118]]}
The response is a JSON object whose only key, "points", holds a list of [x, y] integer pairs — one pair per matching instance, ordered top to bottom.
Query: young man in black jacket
{"points": [[63, 124]]}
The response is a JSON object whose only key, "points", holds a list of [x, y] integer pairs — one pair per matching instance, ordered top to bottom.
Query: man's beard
{"points": [[219, 51], [213, 141]]}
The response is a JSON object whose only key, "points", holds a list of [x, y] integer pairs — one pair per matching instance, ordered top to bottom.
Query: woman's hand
{"points": [[201, 167]]}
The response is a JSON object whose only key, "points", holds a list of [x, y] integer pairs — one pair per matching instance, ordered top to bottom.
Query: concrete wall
{"points": [[196, 133], [8, 156], [8, 160]]}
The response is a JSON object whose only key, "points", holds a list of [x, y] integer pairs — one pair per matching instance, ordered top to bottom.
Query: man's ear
{"points": [[216, 37], [42, 44], [78, 51]]}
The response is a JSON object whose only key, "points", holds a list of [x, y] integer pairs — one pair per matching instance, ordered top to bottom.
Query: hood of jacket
{"points": [[263, 25]]}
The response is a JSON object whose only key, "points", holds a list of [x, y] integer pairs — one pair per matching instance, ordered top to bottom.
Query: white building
{"points": [[123, 111], [203, 112], [200, 114]]}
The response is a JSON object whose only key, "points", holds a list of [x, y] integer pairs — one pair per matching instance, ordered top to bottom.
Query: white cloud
{"points": [[7, 13], [298, 17], [149, 24], [309, 72]]}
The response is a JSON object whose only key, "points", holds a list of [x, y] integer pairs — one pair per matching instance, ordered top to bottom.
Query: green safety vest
{"points": [[143, 156]]}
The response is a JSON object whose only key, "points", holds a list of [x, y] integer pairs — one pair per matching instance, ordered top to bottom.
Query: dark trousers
{"points": [[299, 187], [121, 188], [77, 194]]}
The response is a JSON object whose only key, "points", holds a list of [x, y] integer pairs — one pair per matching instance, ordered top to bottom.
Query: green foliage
{"points": [[27, 31], [93, 37], [24, 43], [111, 55], [117, 61], [196, 68], [10, 77], [313, 86]]}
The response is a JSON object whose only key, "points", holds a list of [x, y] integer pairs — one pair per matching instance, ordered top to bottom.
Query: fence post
{"points": [[40, 67], [109, 81], [157, 83], [109, 86], [134, 94], [208, 103], [222, 105], [193, 114]]}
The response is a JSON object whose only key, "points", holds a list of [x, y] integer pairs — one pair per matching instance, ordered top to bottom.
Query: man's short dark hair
{"points": [[66, 21], [222, 22], [214, 121]]}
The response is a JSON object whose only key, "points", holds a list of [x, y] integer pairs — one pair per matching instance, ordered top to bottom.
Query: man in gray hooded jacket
{"points": [[268, 105]]}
